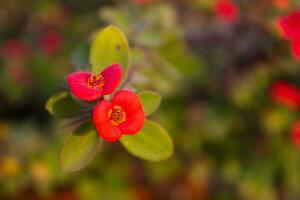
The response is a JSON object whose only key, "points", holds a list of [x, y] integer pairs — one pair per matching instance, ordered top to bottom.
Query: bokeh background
{"points": [[230, 99]]}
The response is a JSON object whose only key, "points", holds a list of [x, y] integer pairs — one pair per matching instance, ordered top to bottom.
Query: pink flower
{"points": [[226, 10], [87, 86]]}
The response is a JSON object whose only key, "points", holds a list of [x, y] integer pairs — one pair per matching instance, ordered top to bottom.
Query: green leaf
{"points": [[110, 46], [150, 101], [62, 105], [152, 143], [80, 148]]}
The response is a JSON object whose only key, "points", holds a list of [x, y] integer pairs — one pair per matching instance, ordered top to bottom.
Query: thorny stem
{"points": [[64, 85], [88, 107], [85, 110], [86, 114], [78, 120]]}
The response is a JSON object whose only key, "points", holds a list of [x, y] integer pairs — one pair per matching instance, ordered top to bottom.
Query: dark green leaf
{"points": [[62, 105]]}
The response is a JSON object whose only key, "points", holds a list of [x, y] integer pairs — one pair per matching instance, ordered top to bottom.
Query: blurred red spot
{"points": [[227, 10], [290, 25], [51, 42], [15, 49], [20, 74], [286, 94], [295, 134]]}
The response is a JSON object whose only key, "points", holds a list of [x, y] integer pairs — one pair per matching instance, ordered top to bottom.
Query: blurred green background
{"points": [[232, 141]]}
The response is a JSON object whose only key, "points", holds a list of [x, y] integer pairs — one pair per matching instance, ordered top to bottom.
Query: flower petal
{"points": [[112, 75], [79, 87], [128, 100], [132, 106], [100, 112], [134, 123], [105, 128], [109, 132]]}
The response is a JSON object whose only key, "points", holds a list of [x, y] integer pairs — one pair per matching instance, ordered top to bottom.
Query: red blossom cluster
{"points": [[226, 10], [290, 28], [124, 114]]}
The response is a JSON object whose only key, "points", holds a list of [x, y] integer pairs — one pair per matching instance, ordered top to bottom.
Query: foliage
{"points": [[235, 125]]}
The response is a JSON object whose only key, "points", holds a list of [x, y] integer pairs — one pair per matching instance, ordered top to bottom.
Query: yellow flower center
{"points": [[96, 81], [117, 115]]}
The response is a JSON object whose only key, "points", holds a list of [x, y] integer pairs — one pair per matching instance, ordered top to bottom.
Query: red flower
{"points": [[226, 10], [290, 25], [51, 42], [14, 48], [89, 87], [285, 93], [123, 115], [295, 134]]}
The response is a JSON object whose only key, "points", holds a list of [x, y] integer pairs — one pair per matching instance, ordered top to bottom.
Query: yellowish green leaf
{"points": [[110, 46], [150, 101], [152, 143]]}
